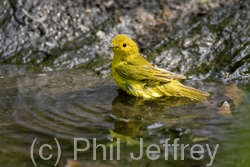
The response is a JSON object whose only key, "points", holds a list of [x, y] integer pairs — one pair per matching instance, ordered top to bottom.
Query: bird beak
{"points": [[112, 46]]}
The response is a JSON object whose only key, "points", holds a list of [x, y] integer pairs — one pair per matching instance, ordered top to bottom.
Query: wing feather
{"points": [[145, 72]]}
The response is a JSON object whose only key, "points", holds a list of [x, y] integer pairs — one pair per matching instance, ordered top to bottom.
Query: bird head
{"points": [[124, 45]]}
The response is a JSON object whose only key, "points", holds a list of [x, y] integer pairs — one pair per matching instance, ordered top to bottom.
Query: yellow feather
{"points": [[139, 78]]}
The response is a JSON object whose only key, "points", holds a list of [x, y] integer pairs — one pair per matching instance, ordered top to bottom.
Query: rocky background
{"points": [[199, 38]]}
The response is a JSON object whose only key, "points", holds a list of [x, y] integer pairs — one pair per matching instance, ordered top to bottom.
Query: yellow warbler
{"points": [[139, 78]]}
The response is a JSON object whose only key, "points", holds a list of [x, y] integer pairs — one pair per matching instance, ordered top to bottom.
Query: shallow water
{"points": [[60, 105]]}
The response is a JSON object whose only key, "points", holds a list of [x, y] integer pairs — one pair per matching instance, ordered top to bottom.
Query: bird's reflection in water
{"points": [[131, 112]]}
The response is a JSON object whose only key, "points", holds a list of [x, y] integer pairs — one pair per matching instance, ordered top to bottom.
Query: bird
{"points": [[139, 78]]}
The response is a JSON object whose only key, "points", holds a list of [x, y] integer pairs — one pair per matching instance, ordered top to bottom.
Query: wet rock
{"points": [[202, 39]]}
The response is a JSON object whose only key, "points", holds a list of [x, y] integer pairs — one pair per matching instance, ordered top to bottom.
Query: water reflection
{"points": [[65, 106], [130, 112]]}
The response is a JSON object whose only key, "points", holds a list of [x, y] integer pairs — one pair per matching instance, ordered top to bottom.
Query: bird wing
{"points": [[145, 72]]}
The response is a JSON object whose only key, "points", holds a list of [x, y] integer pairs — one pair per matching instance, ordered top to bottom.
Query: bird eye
{"points": [[124, 45]]}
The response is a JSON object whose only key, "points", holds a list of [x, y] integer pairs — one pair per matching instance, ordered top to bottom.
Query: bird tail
{"points": [[180, 90]]}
